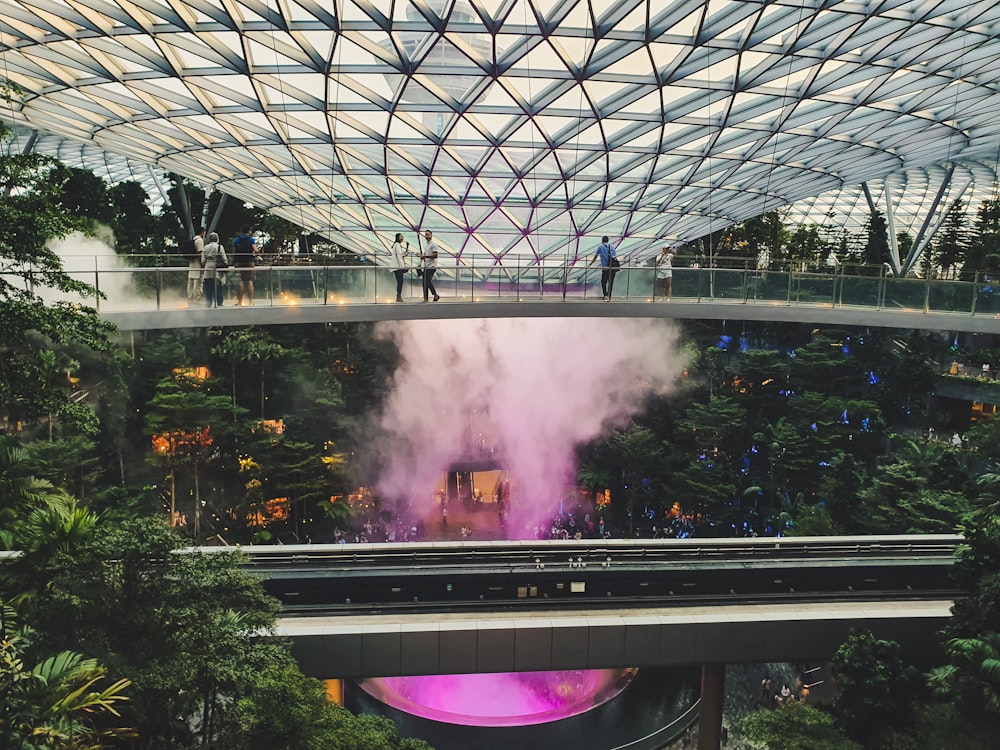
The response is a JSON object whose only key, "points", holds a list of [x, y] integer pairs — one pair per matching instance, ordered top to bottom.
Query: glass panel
{"points": [[723, 284], [767, 286], [813, 288], [861, 290], [908, 294], [951, 296], [988, 298]]}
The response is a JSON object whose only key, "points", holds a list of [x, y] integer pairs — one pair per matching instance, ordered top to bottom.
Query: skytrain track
{"points": [[597, 574]]}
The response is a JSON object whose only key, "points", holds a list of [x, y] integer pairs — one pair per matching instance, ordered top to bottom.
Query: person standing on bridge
{"points": [[197, 247], [245, 253], [399, 254], [429, 256], [215, 259], [609, 266], [665, 272]]}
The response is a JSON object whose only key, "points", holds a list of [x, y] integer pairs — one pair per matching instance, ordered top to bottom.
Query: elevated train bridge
{"points": [[365, 610]]}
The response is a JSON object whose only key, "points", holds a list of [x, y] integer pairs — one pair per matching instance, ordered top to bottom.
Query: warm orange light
{"points": [[193, 373], [270, 426], [179, 441], [276, 509]]}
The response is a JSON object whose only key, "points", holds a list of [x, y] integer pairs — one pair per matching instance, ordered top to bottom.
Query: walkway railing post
{"points": [[158, 281], [927, 294], [975, 294]]}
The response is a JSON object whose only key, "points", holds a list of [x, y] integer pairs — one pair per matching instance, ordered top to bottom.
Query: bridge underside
{"points": [[137, 320], [393, 645]]}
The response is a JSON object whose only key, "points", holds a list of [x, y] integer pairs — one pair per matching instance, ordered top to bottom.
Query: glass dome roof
{"points": [[515, 128]]}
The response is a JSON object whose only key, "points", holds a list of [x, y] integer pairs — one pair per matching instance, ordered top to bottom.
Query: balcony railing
{"points": [[736, 280]]}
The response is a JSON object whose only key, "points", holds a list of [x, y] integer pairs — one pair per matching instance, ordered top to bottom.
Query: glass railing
{"points": [[734, 280]]}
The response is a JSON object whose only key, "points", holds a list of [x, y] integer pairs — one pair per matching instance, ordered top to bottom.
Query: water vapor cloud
{"points": [[535, 388]]}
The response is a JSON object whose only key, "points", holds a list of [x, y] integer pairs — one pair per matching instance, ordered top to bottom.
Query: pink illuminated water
{"points": [[503, 699]]}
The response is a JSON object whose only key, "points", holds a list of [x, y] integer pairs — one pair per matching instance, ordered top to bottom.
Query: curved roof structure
{"points": [[517, 128]]}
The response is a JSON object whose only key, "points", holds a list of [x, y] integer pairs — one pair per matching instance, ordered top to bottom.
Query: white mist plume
{"points": [[92, 259], [547, 385]]}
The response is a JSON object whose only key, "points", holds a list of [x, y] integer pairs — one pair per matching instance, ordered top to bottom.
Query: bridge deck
{"points": [[810, 313], [504, 641]]}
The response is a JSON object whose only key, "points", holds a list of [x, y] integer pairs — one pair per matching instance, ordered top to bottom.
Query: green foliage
{"points": [[30, 217], [952, 242], [977, 661], [876, 690], [62, 702], [794, 725]]}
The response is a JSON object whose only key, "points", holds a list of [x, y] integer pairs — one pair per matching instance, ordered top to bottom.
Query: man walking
{"points": [[245, 252], [429, 256], [609, 266]]}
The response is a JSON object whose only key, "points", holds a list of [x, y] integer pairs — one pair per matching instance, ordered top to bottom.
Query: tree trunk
{"points": [[173, 497], [197, 503]]}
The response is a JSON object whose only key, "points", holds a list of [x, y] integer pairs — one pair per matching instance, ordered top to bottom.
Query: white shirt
{"points": [[429, 249], [398, 256], [665, 266]]}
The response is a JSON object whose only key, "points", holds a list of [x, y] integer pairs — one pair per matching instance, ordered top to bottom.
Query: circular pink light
{"points": [[500, 700]]}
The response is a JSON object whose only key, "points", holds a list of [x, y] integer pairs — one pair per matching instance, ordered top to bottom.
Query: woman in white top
{"points": [[215, 259], [399, 263], [665, 272]]}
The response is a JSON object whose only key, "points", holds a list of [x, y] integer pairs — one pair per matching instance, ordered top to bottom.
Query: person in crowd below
{"points": [[245, 253], [399, 254], [429, 256], [215, 259], [194, 265], [609, 266], [665, 272]]}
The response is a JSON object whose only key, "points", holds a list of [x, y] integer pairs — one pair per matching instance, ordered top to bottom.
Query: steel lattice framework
{"points": [[522, 128]]}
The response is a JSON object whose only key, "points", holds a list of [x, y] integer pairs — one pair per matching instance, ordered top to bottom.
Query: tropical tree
{"points": [[30, 217], [133, 224], [952, 243], [876, 250], [183, 419], [638, 450], [20, 490], [195, 634], [976, 663], [877, 690], [64, 701], [794, 725]]}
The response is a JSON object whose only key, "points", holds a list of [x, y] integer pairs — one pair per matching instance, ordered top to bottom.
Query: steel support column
{"points": [[713, 695]]}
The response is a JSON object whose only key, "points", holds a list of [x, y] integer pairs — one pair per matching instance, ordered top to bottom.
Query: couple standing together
{"points": [[428, 264], [609, 268]]}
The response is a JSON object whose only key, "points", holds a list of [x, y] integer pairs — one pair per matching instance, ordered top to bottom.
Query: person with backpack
{"points": [[193, 250], [245, 253], [215, 262], [609, 266]]}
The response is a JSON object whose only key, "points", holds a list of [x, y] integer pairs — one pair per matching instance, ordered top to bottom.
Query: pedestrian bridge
{"points": [[149, 298]]}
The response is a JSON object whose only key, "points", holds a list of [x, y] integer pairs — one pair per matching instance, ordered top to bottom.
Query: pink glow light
{"points": [[503, 699]]}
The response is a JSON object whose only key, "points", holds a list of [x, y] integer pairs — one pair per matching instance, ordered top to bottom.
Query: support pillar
{"points": [[713, 694]]}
